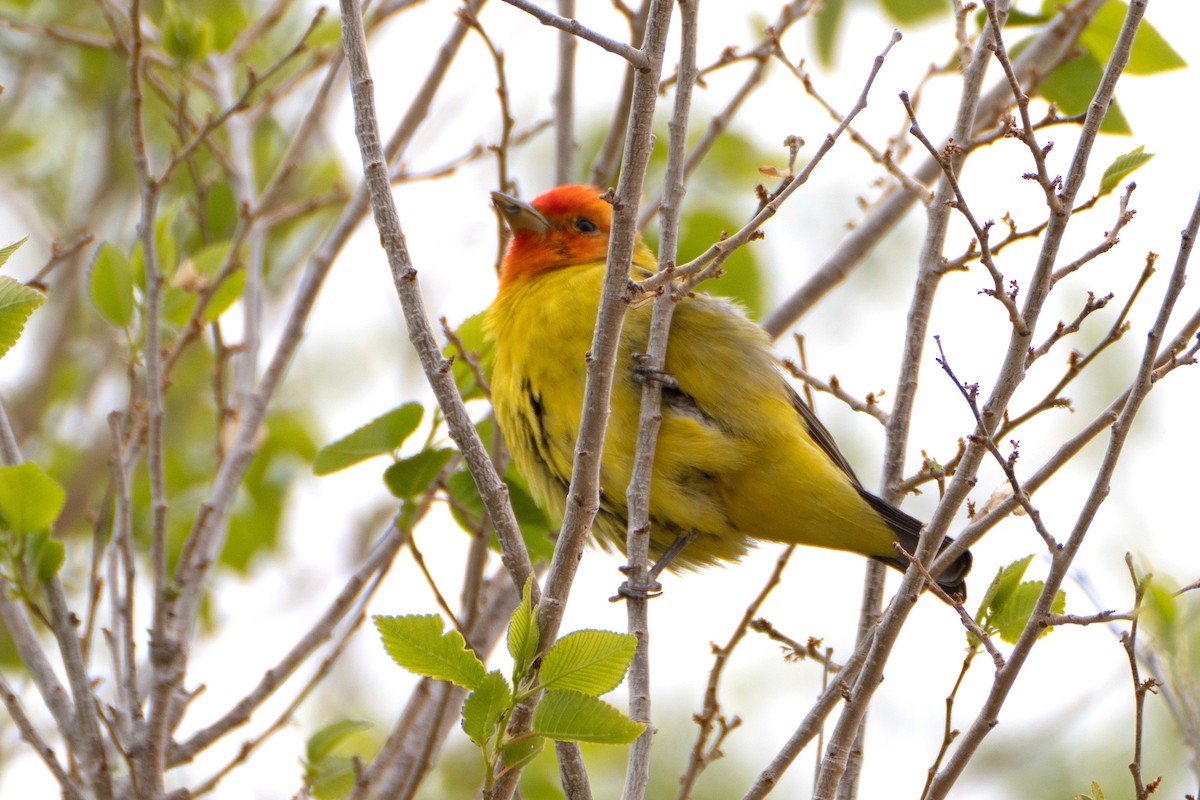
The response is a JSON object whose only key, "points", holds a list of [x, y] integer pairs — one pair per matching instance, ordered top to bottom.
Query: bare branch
{"points": [[633, 55], [564, 102], [639, 578], [709, 716]]}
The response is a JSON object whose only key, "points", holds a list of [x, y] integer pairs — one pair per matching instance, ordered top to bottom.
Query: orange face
{"points": [[564, 227]]}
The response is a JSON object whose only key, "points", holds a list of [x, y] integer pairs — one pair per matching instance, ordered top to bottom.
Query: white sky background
{"points": [[361, 365]]}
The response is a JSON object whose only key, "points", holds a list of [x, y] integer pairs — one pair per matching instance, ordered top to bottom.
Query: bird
{"points": [[740, 457]]}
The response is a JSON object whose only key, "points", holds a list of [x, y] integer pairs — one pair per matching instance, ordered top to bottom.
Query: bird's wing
{"points": [[821, 435]]}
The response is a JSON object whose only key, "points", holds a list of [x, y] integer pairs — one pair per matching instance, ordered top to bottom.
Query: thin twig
{"points": [[1044, 51], [633, 55], [564, 101], [1140, 688], [12, 703], [845, 743], [704, 753]]}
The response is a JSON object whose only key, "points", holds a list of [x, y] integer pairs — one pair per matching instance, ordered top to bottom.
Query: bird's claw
{"points": [[644, 373], [646, 591]]}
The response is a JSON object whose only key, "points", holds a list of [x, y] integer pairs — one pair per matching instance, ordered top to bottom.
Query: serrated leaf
{"points": [[1121, 166], [6, 252], [110, 285], [17, 303], [381, 435], [412, 476], [30, 500], [1010, 618], [523, 633], [416, 643], [589, 662], [484, 708], [576, 717], [321, 743]]}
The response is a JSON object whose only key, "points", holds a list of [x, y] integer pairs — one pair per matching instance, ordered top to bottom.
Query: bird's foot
{"points": [[644, 373], [644, 584], [643, 587]]}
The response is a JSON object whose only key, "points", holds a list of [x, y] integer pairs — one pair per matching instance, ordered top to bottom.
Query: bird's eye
{"points": [[585, 225]]}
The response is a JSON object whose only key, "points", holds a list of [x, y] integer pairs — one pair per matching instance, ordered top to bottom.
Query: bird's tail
{"points": [[908, 530]]}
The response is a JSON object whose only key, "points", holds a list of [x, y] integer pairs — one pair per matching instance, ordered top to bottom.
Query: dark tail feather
{"points": [[908, 530]]}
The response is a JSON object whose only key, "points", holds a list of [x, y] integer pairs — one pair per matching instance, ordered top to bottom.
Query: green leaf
{"points": [[909, 11], [1016, 17], [825, 30], [328, 33], [186, 37], [1150, 54], [1071, 87], [16, 143], [1121, 166], [166, 244], [5, 252], [209, 261], [196, 276], [742, 277], [110, 285], [17, 303], [476, 343], [381, 435], [412, 476], [30, 500], [467, 507], [536, 530], [44, 555], [1002, 587], [1161, 613], [1010, 618], [523, 633], [416, 643], [589, 662], [485, 707], [575, 717], [320, 745], [519, 753], [327, 775], [332, 778]]}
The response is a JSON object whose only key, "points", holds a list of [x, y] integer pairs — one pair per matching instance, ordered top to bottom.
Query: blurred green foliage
{"points": [[65, 75]]}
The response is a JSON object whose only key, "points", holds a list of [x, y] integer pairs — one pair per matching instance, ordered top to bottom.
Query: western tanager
{"points": [[740, 455]]}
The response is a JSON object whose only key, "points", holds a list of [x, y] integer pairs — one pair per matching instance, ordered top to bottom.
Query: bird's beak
{"points": [[518, 215]]}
